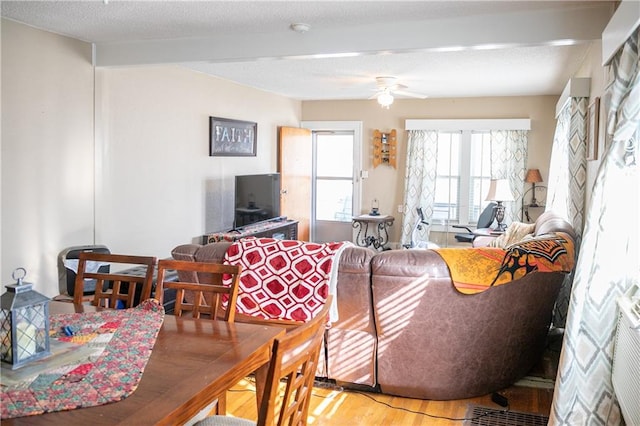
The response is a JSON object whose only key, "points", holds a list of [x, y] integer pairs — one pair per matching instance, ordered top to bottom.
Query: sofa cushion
{"points": [[476, 269]]}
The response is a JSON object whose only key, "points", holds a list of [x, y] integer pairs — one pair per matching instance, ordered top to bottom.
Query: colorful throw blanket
{"points": [[476, 269], [285, 279], [99, 360]]}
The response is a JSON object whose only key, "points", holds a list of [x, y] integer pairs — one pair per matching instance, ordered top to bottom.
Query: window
{"points": [[463, 165], [334, 176], [462, 176]]}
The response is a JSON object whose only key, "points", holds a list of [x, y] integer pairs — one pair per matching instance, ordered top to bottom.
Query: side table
{"points": [[379, 235]]}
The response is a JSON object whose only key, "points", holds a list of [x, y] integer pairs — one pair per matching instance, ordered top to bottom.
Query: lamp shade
{"points": [[533, 176], [499, 190]]}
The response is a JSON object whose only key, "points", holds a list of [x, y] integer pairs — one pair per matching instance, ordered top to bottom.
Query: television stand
{"points": [[279, 228]]}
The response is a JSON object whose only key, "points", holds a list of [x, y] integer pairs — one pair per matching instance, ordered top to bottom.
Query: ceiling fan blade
{"points": [[396, 87], [409, 94]]}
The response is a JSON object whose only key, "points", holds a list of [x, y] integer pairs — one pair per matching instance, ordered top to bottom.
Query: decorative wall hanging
{"points": [[232, 138], [384, 148]]}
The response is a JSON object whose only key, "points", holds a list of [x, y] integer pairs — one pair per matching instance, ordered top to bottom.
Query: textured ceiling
{"points": [[435, 48]]}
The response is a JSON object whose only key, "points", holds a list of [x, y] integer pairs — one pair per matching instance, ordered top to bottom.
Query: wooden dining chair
{"points": [[114, 289], [202, 290], [290, 377]]}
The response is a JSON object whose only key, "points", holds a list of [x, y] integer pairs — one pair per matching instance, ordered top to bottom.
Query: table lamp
{"points": [[533, 176], [499, 191]]}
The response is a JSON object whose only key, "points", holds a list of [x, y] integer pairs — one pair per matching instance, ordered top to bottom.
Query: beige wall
{"points": [[47, 151], [386, 183]]}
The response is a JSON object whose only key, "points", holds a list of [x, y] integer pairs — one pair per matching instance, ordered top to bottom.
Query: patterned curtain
{"points": [[508, 160], [568, 166], [420, 178], [567, 182], [608, 264]]}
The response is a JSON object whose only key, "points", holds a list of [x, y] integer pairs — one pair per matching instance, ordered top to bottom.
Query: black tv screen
{"points": [[257, 198]]}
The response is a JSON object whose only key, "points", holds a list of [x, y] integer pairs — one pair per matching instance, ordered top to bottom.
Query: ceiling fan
{"points": [[389, 86]]}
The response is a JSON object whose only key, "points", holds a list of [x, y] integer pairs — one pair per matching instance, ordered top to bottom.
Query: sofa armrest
{"points": [[185, 252]]}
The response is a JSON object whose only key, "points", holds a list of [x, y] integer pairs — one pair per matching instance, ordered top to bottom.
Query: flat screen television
{"points": [[257, 198]]}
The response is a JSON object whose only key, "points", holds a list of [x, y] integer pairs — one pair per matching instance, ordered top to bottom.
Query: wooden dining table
{"points": [[192, 361]]}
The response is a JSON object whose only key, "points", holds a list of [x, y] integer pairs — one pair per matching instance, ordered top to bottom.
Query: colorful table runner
{"points": [[285, 279], [101, 362]]}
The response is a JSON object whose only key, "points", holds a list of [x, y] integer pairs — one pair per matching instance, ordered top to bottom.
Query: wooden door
{"points": [[295, 156]]}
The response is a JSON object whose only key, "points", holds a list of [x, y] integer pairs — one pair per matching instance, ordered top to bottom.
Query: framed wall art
{"points": [[592, 129], [232, 138]]}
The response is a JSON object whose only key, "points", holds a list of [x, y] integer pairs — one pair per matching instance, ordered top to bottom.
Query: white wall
{"points": [[47, 151], [155, 184], [158, 187]]}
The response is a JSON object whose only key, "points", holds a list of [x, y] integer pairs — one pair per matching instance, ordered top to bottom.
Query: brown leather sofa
{"points": [[406, 330]]}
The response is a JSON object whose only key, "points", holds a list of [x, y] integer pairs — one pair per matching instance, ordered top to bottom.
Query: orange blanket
{"points": [[476, 269]]}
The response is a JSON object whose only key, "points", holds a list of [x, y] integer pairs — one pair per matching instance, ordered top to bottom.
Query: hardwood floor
{"points": [[335, 406], [346, 407]]}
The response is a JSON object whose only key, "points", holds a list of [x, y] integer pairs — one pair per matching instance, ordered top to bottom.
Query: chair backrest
{"points": [[487, 216], [114, 289], [203, 292], [294, 360]]}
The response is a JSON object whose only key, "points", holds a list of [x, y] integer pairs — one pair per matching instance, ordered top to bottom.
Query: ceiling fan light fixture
{"points": [[385, 99]]}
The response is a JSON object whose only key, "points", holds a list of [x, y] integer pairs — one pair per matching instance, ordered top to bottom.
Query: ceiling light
{"points": [[300, 27], [385, 98]]}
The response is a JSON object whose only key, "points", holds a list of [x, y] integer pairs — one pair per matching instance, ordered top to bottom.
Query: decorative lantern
{"points": [[24, 321]]}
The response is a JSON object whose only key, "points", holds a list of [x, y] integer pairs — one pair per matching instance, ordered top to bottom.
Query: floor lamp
{"points": [[499, 191]]}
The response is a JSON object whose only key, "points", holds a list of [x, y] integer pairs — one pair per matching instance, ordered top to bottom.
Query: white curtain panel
{"points": [[508, 161], [568, 165], [420, 178], [558, 185], [608, 263]]}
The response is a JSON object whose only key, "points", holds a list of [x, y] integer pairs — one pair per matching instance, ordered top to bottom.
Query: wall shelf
{"points": [[384, 148]]}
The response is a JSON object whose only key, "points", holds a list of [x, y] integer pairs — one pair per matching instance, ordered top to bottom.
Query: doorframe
{"points": [[356, 128]]}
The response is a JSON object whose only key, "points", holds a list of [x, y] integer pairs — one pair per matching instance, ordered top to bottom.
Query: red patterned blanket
{"points": [[285, 279]]}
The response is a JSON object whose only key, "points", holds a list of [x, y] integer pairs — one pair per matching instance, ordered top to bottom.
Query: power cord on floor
{"points": [[497, 398], [433, 416]]}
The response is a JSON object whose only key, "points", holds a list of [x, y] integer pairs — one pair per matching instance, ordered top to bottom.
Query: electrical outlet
{"points": [[400, 208]]}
